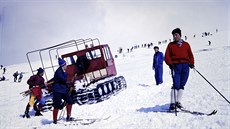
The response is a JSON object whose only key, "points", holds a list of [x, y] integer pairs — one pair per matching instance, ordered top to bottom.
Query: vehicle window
{"points": [[107, 53], [93, 54], [75, 57], [71, 60]]}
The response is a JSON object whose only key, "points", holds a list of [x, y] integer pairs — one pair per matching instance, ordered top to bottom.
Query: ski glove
{"points": [[171, 66], [191, 66]]}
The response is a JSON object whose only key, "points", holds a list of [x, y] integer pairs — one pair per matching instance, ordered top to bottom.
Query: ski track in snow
{"points": [[140, 105]]}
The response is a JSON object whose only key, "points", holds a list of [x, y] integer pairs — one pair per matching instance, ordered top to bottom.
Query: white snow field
{"points": [[140, 105]]}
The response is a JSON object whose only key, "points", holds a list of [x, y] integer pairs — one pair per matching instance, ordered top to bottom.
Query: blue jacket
{"points": [[158, 59], [60, 79]]}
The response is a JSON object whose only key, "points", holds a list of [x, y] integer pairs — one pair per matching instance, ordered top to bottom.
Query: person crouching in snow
{"points": [[179, 58], [158, 59], [2, 78], [36, 83], [60, 91]]}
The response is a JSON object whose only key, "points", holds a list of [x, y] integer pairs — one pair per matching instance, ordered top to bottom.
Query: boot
{"points": [[179, 105], [172, 106], [27, 111], [38, 113], [55, 113], [26, 115], [69, 118], [55, 121]]}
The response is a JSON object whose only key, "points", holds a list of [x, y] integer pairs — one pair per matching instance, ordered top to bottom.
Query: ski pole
{"points": [[172, 72], [211, 85], [64, 106], [62, 111], [62, 114]]}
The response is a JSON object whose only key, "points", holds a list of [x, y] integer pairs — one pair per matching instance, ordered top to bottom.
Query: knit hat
{"points": [[177, 30], [156, 47], [61, 62], [40, 70]]}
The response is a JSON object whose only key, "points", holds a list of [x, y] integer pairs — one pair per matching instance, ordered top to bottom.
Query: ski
{"points": [[183, 110], [197, 112], [92, 119], [83, 121], [77, 122]]}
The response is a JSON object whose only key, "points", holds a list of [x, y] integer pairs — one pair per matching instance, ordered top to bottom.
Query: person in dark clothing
{"points": [[209, 42], [179, 58], [158, 59], [1, 66], [4, 70], [15, 76], [36, 83], [60, 91]]}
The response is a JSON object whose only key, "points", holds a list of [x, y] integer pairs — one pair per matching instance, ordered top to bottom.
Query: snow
{"points": [[139, 106]]}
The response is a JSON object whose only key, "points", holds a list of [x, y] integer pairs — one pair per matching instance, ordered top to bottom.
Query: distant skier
{"points": [[209, 43], [149, 45], [131, 49], [179, 57], [158, 59], [1, 66], [4, 70], [15, 76], [20, 77], [36, 83], [60, 91]]}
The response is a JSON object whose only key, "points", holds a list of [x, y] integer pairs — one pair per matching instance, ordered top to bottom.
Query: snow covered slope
{"points": [[140, 105]]}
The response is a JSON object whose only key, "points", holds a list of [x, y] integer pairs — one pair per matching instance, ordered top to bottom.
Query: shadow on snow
{"points": [[144, 85], [157, 108], [46, 122]]}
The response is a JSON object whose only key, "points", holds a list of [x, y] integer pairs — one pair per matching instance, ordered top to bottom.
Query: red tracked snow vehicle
{"points": [[90, 67]]}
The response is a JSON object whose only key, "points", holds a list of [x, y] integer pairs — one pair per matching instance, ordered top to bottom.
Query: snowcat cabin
{"points": [[94, 63]]}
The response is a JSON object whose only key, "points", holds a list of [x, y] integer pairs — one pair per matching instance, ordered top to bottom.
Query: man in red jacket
{"points": [[179, 58], [36, 83]]}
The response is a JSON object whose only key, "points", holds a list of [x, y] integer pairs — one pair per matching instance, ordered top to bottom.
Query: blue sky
{"points": [[27, 25]]}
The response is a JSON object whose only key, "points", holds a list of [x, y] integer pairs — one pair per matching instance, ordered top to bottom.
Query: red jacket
{"points": [[176, 54]]}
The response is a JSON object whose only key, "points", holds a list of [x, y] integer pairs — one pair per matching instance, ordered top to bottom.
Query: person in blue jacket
{"points": [[158, 59], [60, 91]]}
